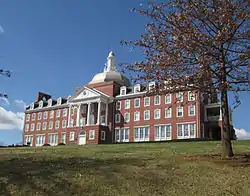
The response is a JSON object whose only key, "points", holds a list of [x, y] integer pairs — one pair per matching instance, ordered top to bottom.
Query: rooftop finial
{"points": [[110, 65]]}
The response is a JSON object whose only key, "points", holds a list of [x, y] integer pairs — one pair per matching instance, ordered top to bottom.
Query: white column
{"points": [[98, 113], [69, 115], [78, 115], [88, 115], [106, 115]]}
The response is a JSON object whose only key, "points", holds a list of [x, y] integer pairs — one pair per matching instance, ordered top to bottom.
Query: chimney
{"points": [[78, 88], [42, 96]]}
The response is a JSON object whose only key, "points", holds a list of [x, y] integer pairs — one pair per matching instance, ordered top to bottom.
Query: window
{"points": [[151, 86], [137, 88], [123, 90], [191, 96], [179, 97], [168, 99], [157, 100], [59, 101], [146, 101], [50, 102], [137, 103], [40, 104], [127, 104], [118, 105], [32, 106], [72, 110], [191, 110], [179, 111], [65, 112], [168, 112], [58, 113], [51, 114], [146, 114], [157, 114], [45, 115], [33, 116], [39, 116], [136, 116], [28, 117], [126, 117], [117, 118], [103, 120], [82, 122], [64, 123], [71, 123], [57, 124], [44, 125], [51, 125], [38, 126], [27, 127], [32, 127], [185, 131], [162, 132], [92, 134], [141, 134], [102, 135], [122, 135], [72, 136], [63, 138], [28, 139], [53, 139], [40, 140]]}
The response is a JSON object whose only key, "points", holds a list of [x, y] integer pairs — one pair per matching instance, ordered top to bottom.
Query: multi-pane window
{"points": [[137, 88], [123, 90], [191, 96], [179, 97], [157, 99], [168, 99], [146, 101], [137, 103], [127, 104], [118, 105], [72, 110], [191, 110], [179, 111], [65, 112], [168, 112], [58, 113], [146, 114], [157, 114], [45, 115], [51, 115], [34, 116], [39, 116], [136, 116], [28, 117], [126, 117], [117, 118], [103, 120], [83, 121], [71, 122], [64, 123], [57, 124], [44, 125], [51, 125], [38, 126], [27, 127], [32, 128], [185, 131], [162, 132], [92, 134], [141, 134], [103, 135], [122, 135], [72, 136], [63, 138], [28, 139], [53, 139], [40, 140]]}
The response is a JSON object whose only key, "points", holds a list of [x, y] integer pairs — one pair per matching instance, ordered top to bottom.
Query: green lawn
{"points": [[175, 168]]}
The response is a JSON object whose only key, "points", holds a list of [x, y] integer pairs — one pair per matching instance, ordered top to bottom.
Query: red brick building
{"points": [[110, 110]]}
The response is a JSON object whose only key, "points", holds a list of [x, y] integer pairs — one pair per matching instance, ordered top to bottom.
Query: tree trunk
{"points": [[227, 150]]}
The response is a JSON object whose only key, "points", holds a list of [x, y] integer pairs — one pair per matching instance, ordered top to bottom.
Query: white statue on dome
{"points": [[110, 65]]}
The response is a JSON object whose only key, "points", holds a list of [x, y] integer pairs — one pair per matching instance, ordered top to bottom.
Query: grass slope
{"points": [[125, 169]]}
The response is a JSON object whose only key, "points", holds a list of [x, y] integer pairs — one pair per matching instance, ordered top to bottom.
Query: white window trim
{"points": [[150, 85], [137, 86], [123, 88], [177, 96], [189, 96], [166, 99], [155, 100], [59, 101], [49, 102], [138, 102], [145, 102], [40, 104], [120, 105], [127, 106], [190, 110], [65, 111], [177, 111], [58, 112], [127, 113], [166, 113], [34, 114], [159, 114], [145, 115], [39, 116], [45, 116], [51, 116], [135, 116], [28, 117], [116, 119], [51, 123], [182, 125], [64, 126], [32, 127], [57, 127], [38, 128], [44, 128], [122, 131], [93, 134], [103, 135], [71, 138], [166, 138], [144, 139]]}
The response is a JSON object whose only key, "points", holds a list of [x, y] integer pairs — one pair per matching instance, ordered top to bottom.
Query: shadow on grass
{"points": [[73, 176]]}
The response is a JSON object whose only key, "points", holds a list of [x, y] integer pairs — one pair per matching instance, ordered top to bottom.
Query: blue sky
{"points": [[55, 46]]}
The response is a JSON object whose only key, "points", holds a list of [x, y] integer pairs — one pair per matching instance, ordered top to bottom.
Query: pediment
{"points": [[84, 93]]}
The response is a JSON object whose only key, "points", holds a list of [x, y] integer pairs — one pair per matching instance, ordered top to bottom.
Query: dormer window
{"points": [[151, 86], [137, 88], [123, 90], [59, 101], [49, 102], [40, 104], [32, 106]]}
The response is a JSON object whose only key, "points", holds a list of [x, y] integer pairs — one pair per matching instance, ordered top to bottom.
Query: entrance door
{"points": [[82, 138]]}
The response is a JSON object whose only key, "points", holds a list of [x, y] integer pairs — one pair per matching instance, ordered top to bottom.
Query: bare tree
{"points": [[201, 44], [8, 74]]}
